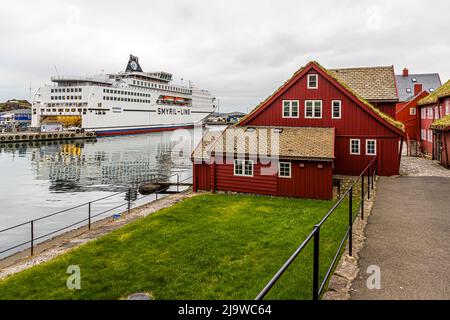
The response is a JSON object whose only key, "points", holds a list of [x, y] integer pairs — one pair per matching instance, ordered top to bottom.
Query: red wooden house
{"points": [[313, 98], [434, 111], [408, 114], [283, 161]]}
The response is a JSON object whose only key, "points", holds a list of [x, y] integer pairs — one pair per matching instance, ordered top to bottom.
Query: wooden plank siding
{"points": [[387, 108], [355, 122], [425, 122], [202, 177], [311, 180], [308, 181], [259, 183]]}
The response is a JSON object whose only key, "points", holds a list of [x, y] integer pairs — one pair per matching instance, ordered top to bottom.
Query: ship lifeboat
{"points": [[168, 98], [179, 100]]}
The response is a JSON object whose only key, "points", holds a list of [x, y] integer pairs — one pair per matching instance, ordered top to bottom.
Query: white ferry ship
{"points": [[127, 102]]}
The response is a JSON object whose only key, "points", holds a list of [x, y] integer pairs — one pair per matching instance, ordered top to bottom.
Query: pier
{"points": [[45, 136]]}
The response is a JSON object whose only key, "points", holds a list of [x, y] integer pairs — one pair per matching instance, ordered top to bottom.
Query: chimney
{"points": [[405, 72], [417, 88]]}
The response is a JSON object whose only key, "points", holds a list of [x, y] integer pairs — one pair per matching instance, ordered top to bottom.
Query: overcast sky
{"points": [[240, 50]]}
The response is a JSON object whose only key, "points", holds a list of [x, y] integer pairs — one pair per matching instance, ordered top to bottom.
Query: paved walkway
{"points": [[408, 236]]}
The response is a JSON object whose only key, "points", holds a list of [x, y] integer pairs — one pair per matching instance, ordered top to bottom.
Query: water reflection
{"points": [[106, 164], [40, 178]]}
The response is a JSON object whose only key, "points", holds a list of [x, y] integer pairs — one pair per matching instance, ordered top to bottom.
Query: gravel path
{"points": [[421, 167]]}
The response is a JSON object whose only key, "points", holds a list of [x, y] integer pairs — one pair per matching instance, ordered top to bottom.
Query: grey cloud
{"points": [[240, 50]]}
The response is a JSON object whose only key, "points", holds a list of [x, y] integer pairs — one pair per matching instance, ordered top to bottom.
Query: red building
{"points": [[312, 99], [433, 108], [409, 115], [441, 130], [286, 161]]}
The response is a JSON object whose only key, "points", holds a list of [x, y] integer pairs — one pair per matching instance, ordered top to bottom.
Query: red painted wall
{"points": [[386, 107], [439, 110], [410, 121], [425, 122], [354, 123], [445, 151], [202, 177], [308, 181]]}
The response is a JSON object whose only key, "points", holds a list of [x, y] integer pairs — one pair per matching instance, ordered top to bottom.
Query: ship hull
{"points": [[132, 131]]}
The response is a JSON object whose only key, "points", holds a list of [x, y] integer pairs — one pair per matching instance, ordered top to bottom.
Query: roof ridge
{"points": [[357, 68], [418, 74], [442, 91], [442, 123]]}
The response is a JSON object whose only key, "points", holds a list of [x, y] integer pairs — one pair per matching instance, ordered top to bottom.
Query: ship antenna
{"points": [[56, 69]]}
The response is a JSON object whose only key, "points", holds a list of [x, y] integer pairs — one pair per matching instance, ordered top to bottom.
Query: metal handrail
{"points": [[90, 216], [315, 235]]}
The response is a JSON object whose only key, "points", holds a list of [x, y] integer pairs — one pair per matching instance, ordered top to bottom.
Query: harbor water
{"points": [[41, 178]]}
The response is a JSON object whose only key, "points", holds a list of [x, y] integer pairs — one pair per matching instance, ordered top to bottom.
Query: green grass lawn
{"points": [[205, 247]]}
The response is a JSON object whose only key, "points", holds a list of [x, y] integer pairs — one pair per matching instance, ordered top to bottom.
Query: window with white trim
{"points": [[313, 81], [336, 106], [447, 107], [290, 108], [313, 109], [412, 111], [436, 112], [430, 113], [423, 134], [430, 135], [355, 146], [371, 147], [243, 168], [284, 169]]}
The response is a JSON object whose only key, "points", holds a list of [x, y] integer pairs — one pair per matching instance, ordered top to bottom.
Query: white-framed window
{"points": [[313, 81], [336, 106], [447, 107], [290, 108], [313, 109], [412, 111], [436, 112], [430, 113], [423, 134], [430, 135], [355, 146], [371, 147], [243, 168], [284, 169]]}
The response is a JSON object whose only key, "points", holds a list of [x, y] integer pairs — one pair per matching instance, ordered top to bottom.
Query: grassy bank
{"points": [[205, 247]]}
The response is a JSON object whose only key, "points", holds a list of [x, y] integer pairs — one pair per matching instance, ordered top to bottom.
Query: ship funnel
{"points": [[133, 64]]}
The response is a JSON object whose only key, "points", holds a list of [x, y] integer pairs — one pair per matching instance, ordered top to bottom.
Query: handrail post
{"points": [[373, 176], [178, 182], [368, 182], [156, 193], [362, 198], [129, 200], [89, 216], [350, 221], [32, 237], [316, 263]]}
